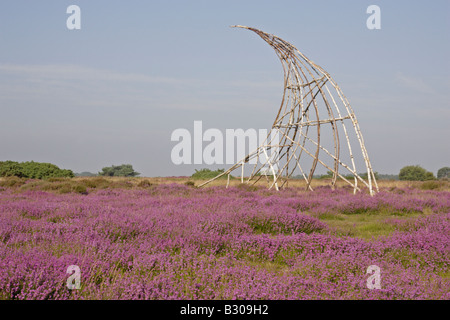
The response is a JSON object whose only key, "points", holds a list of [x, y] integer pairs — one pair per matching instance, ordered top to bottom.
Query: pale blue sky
{"points": [[114, 91]]}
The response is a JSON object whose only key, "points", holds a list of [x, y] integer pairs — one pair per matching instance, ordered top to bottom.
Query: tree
{"points": [[124, 170], [415, 173], [443, 173]]}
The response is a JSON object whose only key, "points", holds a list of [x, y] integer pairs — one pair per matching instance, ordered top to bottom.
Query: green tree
{"points": [[124, 170], [415, 173], [443, 173]]}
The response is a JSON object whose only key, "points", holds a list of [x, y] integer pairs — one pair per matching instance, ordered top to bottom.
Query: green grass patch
{"points": [[365, 226]]}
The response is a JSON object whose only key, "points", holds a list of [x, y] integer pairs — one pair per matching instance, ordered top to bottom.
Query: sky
{"points": [[113, 91]]}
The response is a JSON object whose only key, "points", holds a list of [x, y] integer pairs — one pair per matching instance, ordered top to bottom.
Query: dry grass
{"points": [[73, 184], [389, 185]]}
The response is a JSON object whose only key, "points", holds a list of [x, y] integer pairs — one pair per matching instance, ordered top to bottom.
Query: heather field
{"points": [[144, 239]]}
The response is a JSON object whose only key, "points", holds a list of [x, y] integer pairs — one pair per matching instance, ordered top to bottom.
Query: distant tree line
{"points": [[39, 170], [411, 173], [85, 174]]}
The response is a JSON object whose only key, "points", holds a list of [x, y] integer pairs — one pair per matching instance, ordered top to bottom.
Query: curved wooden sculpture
{"points": [[309, 125]]}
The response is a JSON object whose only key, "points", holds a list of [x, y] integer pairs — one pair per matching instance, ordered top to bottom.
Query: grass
{"points": [[118, 182], [366, 225]]}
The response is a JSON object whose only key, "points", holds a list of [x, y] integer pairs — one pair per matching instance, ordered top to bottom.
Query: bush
{"points": [[11, 169], [33, 170], [124, 170], [415, 173], [443, 173], [207, 174], [12, 182], [100, 183], [144, 184], [430, 185], [65, 188], [80, 189]]}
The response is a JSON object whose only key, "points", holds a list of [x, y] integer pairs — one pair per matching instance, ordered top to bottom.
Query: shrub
{"points": [[11, 169], [33, 170], [124, 170], [415, 173], [443, 173], [207, 174], [12, 182], [100, 183], [144, 184], [430, 185], [65, 188], [80, 189]]}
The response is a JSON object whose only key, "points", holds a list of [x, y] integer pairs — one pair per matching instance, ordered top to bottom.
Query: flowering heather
{"points": [[178, 242]]}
